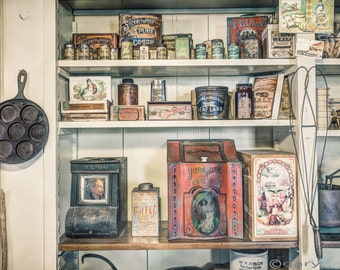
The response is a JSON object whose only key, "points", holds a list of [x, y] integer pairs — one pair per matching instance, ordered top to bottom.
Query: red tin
{"points": [[205, 189]]}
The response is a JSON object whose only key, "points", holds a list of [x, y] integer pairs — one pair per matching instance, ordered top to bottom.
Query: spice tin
{"points": [[126, 49], [217, 49], [68, 51], [161, 51], [233, 51], [83, 52], [104, 52], [144, 52], [201, 52], [114, 53], [136, 53], [152, 53], [158, 90], [127, 92], [244, 101], [212, 102], [145, 210]]}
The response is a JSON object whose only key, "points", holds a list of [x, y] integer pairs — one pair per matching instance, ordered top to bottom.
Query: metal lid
{"points": [[145, 186]]}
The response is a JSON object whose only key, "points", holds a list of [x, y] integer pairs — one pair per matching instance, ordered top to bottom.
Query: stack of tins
{"points": [[205, 189]]}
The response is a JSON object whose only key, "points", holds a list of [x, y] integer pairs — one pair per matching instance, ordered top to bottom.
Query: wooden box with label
{"points": [[269, 184]]}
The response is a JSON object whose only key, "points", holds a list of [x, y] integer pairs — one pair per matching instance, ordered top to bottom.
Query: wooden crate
{"points": [[269, 183]]}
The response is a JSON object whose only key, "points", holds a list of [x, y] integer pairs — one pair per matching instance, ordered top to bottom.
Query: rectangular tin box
{"points": [[142, 29], [94, 40], [276, 44], [90, 88], [67, 107], [168, 110], [127, 113], [82, 117], [269, 179], [205, 190], [145, 210], [100, 216]]}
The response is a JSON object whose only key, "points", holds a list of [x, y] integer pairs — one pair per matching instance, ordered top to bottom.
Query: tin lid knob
{"points": [[145, 186]]}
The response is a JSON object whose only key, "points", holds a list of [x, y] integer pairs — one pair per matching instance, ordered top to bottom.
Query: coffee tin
{"points": [[217, 49], [201, 52], [127, 92]]}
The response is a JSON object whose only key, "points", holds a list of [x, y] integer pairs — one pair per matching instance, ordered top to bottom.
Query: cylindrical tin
{"points": [[126, 49], [217, 49], [69, 51], [161, 51], [233, 51], [83, 52], [104, 52], [144, 52], [201, 52], [114, 53], [136, 53], [152, 53], [171, 54], [158, 90], [127, 92], [244, 101], [212, 102], [145, 210], [252, 259]]}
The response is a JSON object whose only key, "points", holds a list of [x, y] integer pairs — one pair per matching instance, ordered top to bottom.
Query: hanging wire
{"points": [[310, 188]]}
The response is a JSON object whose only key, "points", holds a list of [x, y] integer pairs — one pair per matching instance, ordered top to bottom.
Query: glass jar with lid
{"points": [[244, 101]]}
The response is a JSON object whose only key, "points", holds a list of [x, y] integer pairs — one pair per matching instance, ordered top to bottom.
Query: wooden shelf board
{"points": [[328, 66], [171, 68], [127, 242]]}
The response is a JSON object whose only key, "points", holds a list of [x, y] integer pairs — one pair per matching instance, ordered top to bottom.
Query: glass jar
{"points": [[127, 49], [68, 51], [244, 101]]}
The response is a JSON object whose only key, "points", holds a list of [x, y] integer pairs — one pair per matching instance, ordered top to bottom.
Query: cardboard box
{"points": [[142, 29], [276, 44], [90, 88], [168, 110], [127, 113], [269, 184], [205, 189]]}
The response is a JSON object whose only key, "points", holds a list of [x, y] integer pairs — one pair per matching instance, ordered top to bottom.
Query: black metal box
{"points": [[98, 197]]}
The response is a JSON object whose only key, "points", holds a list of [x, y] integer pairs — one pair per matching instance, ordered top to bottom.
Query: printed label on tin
{"points": [[210, 105]]}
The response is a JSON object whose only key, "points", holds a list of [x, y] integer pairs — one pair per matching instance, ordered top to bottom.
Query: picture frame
{"points": [[93, 189]]}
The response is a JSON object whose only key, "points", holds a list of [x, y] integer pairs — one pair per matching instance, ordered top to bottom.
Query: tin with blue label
{"points": [[212, 102]]}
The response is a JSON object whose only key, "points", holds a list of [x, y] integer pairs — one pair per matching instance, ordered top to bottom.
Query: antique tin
{"points": [[142, 29], [94, 40], [276, 44], [182, 47], [208, 48], [252, 48], [126, 49], [217, 49], [68, 51], [161, 51], [233, 51], [83, 52], [104, 52], [144, 52], [152, 52], [201, 52], [114, 53], [136, 53], [158, 90], [127, 92], [244, 101], [212, 102], [84, 106], [168, 110], [127, 113], [84, 117], [205, 189], [270, 195], [98, 197], [329, 197], [145, 210], [250, 259]]}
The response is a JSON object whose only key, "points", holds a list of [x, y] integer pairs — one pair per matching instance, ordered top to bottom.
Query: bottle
{"points": [[68, 51], [244, 101]]}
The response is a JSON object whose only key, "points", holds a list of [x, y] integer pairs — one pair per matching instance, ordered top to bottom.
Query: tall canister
{"points": [[127, 92], [212, 102], [145, 210], [249, 259]]}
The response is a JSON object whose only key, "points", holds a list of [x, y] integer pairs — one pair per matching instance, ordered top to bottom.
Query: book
{"points": [[267, 95]]}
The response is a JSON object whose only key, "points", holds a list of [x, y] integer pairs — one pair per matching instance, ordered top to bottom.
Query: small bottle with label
{"points": [[126, 49], [69, 51], [244, 101]]}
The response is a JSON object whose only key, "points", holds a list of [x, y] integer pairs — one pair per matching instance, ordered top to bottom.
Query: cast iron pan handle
{"points": [[22, 78], [98, 257]]}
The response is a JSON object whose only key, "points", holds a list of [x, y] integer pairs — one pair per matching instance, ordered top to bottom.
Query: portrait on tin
{"points": [[93, 189]]}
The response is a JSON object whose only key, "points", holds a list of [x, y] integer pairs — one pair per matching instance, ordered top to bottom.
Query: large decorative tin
{"points": [[269, 179], [205, 190], [98, 197], [145, 210]]}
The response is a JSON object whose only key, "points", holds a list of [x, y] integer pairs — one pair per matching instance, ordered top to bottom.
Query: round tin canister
{"points": [[217, 49], [201, 52], [127, 92], [212, 102], [252, 259]]}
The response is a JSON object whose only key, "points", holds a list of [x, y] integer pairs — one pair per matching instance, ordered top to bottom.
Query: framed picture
{"points": [[303, 16], [93, 189]]}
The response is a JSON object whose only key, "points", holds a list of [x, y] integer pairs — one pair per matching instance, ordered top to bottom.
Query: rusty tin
{"points": [[145, 210]]}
